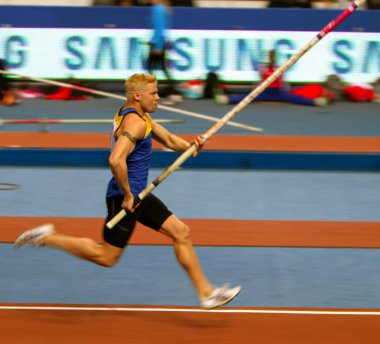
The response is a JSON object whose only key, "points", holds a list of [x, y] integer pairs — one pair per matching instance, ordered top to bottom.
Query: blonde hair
{"points": [[137, 82]]}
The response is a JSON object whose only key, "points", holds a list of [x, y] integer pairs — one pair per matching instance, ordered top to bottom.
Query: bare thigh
{"points": [[174, 228]]}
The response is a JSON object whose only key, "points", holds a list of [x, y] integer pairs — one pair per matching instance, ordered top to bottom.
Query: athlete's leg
{"points": [[150, 62], [164, 67], [268, 95], [285, 96], [45, 235], [109, 252], [102, 254], [106, 254], [186, 256]]}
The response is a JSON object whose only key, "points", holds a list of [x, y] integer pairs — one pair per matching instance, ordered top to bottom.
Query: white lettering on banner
{"points": [[234, 55]]}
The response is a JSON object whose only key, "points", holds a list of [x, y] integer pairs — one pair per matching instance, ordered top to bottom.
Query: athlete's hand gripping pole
{"points": [[234, 111]]}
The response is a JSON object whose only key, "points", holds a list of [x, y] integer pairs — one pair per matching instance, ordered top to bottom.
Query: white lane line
{"points": [[190, 310]]}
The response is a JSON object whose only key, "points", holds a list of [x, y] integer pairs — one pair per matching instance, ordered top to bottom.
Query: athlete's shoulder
{"points": [[127, 110]]}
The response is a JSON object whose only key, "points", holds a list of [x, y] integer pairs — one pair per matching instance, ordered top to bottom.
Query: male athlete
{"points": [[131, 149]]}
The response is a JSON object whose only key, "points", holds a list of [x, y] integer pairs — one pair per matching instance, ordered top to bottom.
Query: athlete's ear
{"points": [[137, 96]]}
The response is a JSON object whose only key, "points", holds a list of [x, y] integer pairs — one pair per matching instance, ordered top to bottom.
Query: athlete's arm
{"points": [[168, 139], [173, 141]]}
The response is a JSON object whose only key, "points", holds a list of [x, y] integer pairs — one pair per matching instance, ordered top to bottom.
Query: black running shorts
{"points": [[152, 213]]}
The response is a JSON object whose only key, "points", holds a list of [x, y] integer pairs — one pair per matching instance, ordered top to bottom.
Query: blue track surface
{"points": [[244, 194], [277, 277]]}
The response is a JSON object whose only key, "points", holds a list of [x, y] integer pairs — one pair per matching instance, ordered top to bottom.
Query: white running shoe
{"points": [[33, 236], [220, 296]]}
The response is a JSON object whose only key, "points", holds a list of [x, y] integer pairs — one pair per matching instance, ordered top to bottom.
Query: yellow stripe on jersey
{"points": [[118, 119], [148, 122]]}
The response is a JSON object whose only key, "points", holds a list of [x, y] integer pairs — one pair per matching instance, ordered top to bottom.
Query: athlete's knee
{"points": [[181, 232], [100, 255], [107, 262]]}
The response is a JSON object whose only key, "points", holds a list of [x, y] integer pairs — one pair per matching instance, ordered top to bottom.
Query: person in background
{"points": [[160, 20], [275, 92], [354, 92], [8, 96]]}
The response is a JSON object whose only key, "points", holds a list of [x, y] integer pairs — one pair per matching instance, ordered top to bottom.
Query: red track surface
{"points": [[219, 142], [213, 232], [175, 326]]}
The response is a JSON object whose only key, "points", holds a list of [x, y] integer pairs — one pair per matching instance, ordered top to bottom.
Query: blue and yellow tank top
{"points": [[138, 161]]}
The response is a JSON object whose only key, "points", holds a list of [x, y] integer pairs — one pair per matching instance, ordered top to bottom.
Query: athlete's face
{"points": [[149, 97]]}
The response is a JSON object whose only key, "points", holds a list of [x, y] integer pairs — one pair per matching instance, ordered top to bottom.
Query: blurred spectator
{"points": [[160, 17], [4, 81], [334, 84], [212, 86], [376, 87], [355, 92], [359, 92], [69, 93], [7, 94], [311, 95]]}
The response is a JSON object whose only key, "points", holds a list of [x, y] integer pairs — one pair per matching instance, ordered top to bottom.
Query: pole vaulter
{"points": [[234, 111]]}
